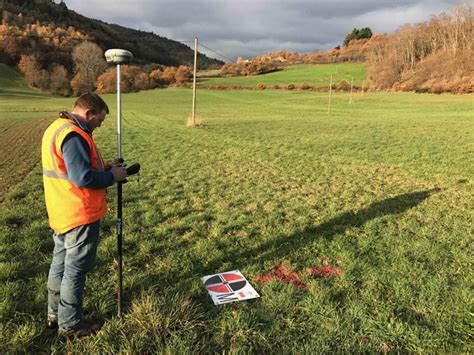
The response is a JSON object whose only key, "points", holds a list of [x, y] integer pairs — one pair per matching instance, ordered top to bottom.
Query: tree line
{"points": [[51, 31], [433, 56], [91, 73]]}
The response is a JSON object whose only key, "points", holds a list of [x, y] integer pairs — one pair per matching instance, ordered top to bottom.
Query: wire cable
{"points": [[219, 54]]}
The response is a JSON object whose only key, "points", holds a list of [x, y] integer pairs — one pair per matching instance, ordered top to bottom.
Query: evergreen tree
{"points": [[365, 32]]}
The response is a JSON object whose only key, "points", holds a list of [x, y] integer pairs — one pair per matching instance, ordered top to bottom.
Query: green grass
{"points": [[316, 75], [13, 84], [383, 186]]}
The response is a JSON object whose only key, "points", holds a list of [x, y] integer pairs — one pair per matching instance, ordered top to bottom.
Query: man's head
{"points": [[91, 109]]}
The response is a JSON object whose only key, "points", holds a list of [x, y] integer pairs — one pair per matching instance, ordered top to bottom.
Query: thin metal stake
{"points": [[352, 84], [330, 92]]}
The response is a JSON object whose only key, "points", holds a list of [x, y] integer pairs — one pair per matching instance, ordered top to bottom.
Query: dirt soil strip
{"points": [[20, 144]]}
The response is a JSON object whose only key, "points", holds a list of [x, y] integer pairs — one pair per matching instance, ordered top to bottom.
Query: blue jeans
{"points": [[73, 256]]}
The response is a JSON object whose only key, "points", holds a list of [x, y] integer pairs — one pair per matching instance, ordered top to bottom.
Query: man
{"points": [[75, 180]]}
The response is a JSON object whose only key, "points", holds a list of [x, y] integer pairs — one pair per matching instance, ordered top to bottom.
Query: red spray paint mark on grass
{"points": [[325, 271], [284, 274], [264, 278]]}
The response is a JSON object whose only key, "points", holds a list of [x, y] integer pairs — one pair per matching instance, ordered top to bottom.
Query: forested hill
{"points": [[43, 27]]}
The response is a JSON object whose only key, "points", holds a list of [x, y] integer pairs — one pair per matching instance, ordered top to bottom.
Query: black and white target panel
{"points": [[229, 287]]}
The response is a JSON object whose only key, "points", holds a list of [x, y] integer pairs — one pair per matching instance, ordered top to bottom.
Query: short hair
{"points": [[91, 101]]}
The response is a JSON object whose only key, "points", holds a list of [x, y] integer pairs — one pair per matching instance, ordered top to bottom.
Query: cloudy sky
{"points": [[248, 28]]}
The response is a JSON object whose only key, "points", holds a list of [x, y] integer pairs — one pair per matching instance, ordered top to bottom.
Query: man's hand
{"points": [[109, 166], [119, 173]]}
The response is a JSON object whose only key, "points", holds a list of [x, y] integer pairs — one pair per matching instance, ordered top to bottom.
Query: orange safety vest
{"points": [[68, 205]]}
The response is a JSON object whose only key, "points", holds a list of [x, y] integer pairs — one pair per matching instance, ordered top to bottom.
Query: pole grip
{"points": [[119, 248]]}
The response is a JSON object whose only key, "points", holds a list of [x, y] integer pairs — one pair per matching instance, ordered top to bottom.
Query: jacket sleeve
{"points": [[76, 155]]}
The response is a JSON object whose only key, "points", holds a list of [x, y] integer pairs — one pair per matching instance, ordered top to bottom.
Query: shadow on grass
{"points": [[280, 247], [239, 257]]}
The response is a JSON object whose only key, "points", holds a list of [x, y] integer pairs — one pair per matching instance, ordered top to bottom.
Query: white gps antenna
{"points": [[118, 56]]}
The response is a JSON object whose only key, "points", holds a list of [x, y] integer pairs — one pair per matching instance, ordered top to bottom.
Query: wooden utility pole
{"points": [[194, 80], [352, 84], [330, 92]]}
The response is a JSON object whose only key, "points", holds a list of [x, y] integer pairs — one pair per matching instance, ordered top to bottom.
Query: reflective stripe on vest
{"points": [[54, 173]]}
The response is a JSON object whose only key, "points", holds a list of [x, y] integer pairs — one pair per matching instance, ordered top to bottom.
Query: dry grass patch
{"points": [[196, 122]]}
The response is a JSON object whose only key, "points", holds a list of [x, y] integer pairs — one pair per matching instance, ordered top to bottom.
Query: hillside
{"points": [[42, 25], [432, 56], [315, 75], [12, 83]]}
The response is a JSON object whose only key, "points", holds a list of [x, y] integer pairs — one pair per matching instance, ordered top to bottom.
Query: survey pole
{"points": [[118, 57], [119, 195]]}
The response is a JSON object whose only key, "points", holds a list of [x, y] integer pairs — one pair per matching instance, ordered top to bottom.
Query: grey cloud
{"points": [[251, 27]]}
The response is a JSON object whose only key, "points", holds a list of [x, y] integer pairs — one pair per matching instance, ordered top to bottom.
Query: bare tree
{"points": [[433, 55], [89, 60], [34, 74], [59, 82], [79, 85]]}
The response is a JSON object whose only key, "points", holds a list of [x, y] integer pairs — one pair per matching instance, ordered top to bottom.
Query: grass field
{"points": [[316, 75], [12, 84], [21, 126], [382, 188]]}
